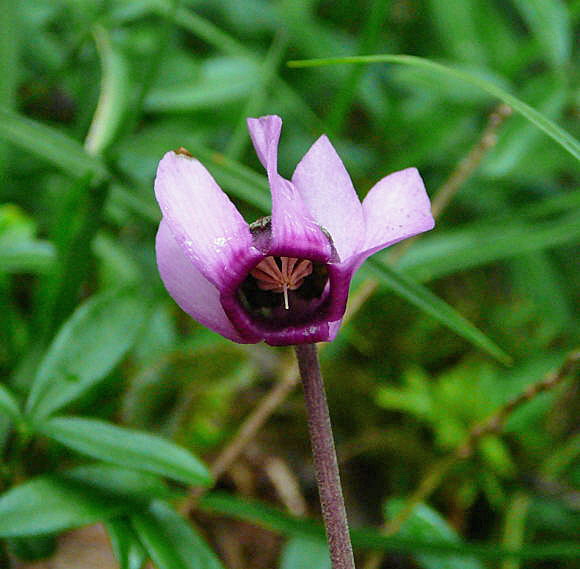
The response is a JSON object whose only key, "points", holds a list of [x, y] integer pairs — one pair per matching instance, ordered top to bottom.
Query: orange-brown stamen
{"points": [[281, 279]]}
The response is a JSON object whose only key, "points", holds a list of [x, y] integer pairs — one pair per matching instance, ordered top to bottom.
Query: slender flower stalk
{"points": [[325, 463]]}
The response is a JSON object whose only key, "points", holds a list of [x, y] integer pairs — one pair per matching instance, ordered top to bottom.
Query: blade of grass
{"points": [[549, 21], [224, 42], [368, 43], [9, 58], [154, 62], [113, 97], [257, 98], [563, 138], [50, 144], [82, 207], [483, 243], [429, 303], [265, 516]]}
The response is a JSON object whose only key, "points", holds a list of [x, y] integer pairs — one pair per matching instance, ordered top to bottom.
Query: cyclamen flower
{"points": [[285, 278]]}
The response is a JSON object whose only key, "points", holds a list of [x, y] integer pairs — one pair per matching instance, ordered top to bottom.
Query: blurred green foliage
{"points": [[94, 92]]}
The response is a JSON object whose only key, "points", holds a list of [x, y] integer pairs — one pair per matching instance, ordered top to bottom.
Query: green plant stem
{"points": [[325, 462], [515, 526]]}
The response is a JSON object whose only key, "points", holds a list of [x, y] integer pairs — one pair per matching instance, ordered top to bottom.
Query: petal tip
{"points": [[265, 134]]}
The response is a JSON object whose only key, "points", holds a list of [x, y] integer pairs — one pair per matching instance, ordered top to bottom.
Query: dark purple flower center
{"points": [[282, 290]]}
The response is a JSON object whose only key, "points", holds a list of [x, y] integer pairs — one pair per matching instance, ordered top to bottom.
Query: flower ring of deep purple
{"points": [[284, 278]]}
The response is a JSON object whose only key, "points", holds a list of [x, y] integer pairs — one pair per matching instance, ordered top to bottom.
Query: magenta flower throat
{"points": [[284, 278]]}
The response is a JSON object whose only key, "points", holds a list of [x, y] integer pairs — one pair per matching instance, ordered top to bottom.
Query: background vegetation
{"points": [[115, 406]]}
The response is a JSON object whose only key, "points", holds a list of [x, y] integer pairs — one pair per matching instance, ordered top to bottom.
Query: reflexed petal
{"points": [[265, 134], [327, 190], [397, 207], [201, 217], [295, 233], [189, 288]]}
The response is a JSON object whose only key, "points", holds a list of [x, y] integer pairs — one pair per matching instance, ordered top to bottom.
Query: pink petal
{"points": [[265, 134], [327, 190], [397, 207], [201, 217], [295, 233], [188, 286]]}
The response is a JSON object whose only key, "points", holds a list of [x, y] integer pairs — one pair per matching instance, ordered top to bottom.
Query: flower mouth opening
{"points": [[284, 291]]}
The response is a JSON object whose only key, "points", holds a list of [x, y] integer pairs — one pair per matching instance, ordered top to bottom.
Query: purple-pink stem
{"points": [[325, 463]]}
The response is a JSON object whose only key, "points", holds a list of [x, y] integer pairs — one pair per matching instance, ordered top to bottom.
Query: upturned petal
{"points": [[326, 189], [396, 208], [202, 219], [295, 232], [191, 289]]}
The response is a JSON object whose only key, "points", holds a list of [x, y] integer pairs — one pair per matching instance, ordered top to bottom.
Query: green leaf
{"points": [[549, 21], [458, 28], [227, 44], [222, 80], [114, 95], [555, 132], [518, 138], [50, 144], [20, 251], [448, 252], [27, 257], [425, 300], [88, 346], [9, 405], [127, 447], [133, 485], [75, 498], [52, 504], [275, 520], [426, 524], [171, 541], [32, 548], [129, 551], [305, 553]]}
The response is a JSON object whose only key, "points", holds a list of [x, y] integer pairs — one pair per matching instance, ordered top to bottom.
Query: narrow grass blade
{"points": [[114, 95], [563, 138], [49, 144], [431, 304], [265, 516]]}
